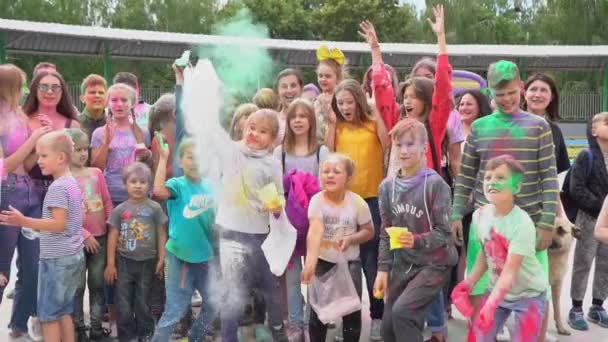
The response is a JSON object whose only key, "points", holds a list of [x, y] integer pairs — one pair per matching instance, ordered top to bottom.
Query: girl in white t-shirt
{"points": [[340, 221]]}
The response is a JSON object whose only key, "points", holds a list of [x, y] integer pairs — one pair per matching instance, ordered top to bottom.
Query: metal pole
{"points": [[2, 47], [107, 62], [523, 68], [605, 89]]}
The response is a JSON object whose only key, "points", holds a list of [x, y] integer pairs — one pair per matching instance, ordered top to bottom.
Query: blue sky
{"points": [[420, 4]]}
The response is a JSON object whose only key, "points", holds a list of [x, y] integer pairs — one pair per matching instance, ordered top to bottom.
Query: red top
{"points": [[384, 96]]}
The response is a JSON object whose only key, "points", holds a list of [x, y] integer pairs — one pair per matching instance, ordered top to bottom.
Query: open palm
{"points": [[438, 25]]}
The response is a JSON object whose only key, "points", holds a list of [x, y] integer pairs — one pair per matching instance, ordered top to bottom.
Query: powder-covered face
{"points": [[327, 78], [288, 89], [49, 91], [538, 96], [94, 97], [508, 97], [120, 103], [347, 105], [414, 107], [468, 108], [299, 123], [258, 134], [410, 150], [81, 153], [333, 176], [500, 185]]}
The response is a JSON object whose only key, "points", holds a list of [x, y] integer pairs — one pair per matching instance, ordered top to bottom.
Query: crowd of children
{"points": [[399, 183]]}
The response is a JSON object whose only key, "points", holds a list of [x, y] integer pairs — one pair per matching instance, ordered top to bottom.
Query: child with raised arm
{"points": [[414, 205], [97, 206], [137, 233], [507, 235], [61, 257], [189, 258]]}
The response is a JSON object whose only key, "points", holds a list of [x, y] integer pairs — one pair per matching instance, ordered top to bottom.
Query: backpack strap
{"points": [[319, 155]]}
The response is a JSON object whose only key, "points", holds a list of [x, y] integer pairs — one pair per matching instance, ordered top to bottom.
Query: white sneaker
{"points": [[196, 299], [34, 329], [376, 330], [503, 335], [550, 338]]}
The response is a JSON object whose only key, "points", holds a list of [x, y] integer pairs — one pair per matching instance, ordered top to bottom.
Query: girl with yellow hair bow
{"points": [[330, 72]]}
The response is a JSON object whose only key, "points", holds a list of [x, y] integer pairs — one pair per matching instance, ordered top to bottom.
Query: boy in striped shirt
{"points": [[525, 137], [61, 240]]}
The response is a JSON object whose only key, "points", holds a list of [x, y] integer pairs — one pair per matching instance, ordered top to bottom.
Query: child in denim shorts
{"points": [[138, 234], [508, 239], [61, 240]]}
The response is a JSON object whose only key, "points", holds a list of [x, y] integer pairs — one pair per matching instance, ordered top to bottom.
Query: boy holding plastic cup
{"points": [[416, 247]]}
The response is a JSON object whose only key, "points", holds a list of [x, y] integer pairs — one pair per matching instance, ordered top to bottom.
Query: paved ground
{"points": [[457, 327]]}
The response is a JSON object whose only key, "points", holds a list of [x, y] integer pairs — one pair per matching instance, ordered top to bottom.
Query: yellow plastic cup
{"points": [[269, 195], [394, 233]]}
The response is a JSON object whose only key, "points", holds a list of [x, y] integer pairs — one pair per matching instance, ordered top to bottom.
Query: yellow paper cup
{"points": [[394, 233]]}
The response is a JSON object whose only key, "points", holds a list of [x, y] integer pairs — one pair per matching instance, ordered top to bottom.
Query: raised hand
{"points": [[439, 25], [368, 32]]}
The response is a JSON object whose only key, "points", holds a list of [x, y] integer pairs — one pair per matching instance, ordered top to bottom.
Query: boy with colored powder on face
{"points": [[94, 96], [525, 137], [415, 201], [507, 236]]}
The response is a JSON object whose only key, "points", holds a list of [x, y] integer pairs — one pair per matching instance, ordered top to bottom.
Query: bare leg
{"points": [[67, 328], [51, 331]]}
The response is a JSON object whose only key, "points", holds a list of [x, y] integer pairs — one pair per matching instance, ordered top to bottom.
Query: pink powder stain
{"points": [[497, 249], [530, 324]]}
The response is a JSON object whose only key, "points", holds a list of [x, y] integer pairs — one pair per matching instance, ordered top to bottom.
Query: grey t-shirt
{"points": [[307, 163], [137, 224]]}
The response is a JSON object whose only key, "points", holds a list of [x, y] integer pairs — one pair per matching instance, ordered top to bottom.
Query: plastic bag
{"points": [[279, 244], [333, 295]]}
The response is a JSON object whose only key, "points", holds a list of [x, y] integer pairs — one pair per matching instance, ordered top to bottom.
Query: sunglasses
{"points": [[54, 88]]}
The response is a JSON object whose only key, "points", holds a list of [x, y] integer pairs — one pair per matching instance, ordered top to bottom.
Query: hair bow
{"points": [[325, 53]]}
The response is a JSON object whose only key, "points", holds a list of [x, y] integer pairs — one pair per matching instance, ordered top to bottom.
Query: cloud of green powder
{"points": [[242, 68]]}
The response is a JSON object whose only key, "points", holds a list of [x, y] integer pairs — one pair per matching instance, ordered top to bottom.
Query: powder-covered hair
{"points": [[501, 73], [93, 80], [126, 88], [266, 98], [242, 111], [364, 111], [161, 112], [267, 116], [412, 126], [77, 135], [58, 141], [289, 143], [186, 144], [339, 158], [515, 168], [140, 170]]}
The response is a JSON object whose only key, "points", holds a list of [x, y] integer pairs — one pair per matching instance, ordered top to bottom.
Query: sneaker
{"points": [[197, 301], [598, 315], [576, 320], [34, 328], [376, 330], [295, 333], [339, 333], [263, 334], [278, 334], [81, 335], [100, 335], [503, 335]]}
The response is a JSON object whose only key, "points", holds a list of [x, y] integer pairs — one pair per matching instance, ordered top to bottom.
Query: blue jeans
{"points": [[20, 192], [369, 259], [244, 267], [59, 279], [181, 279], [132, 288], [295, 305], [524, 312], [436, 316]]}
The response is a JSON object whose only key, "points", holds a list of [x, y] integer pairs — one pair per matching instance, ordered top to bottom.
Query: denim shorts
{"points": [[57, 284]]}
